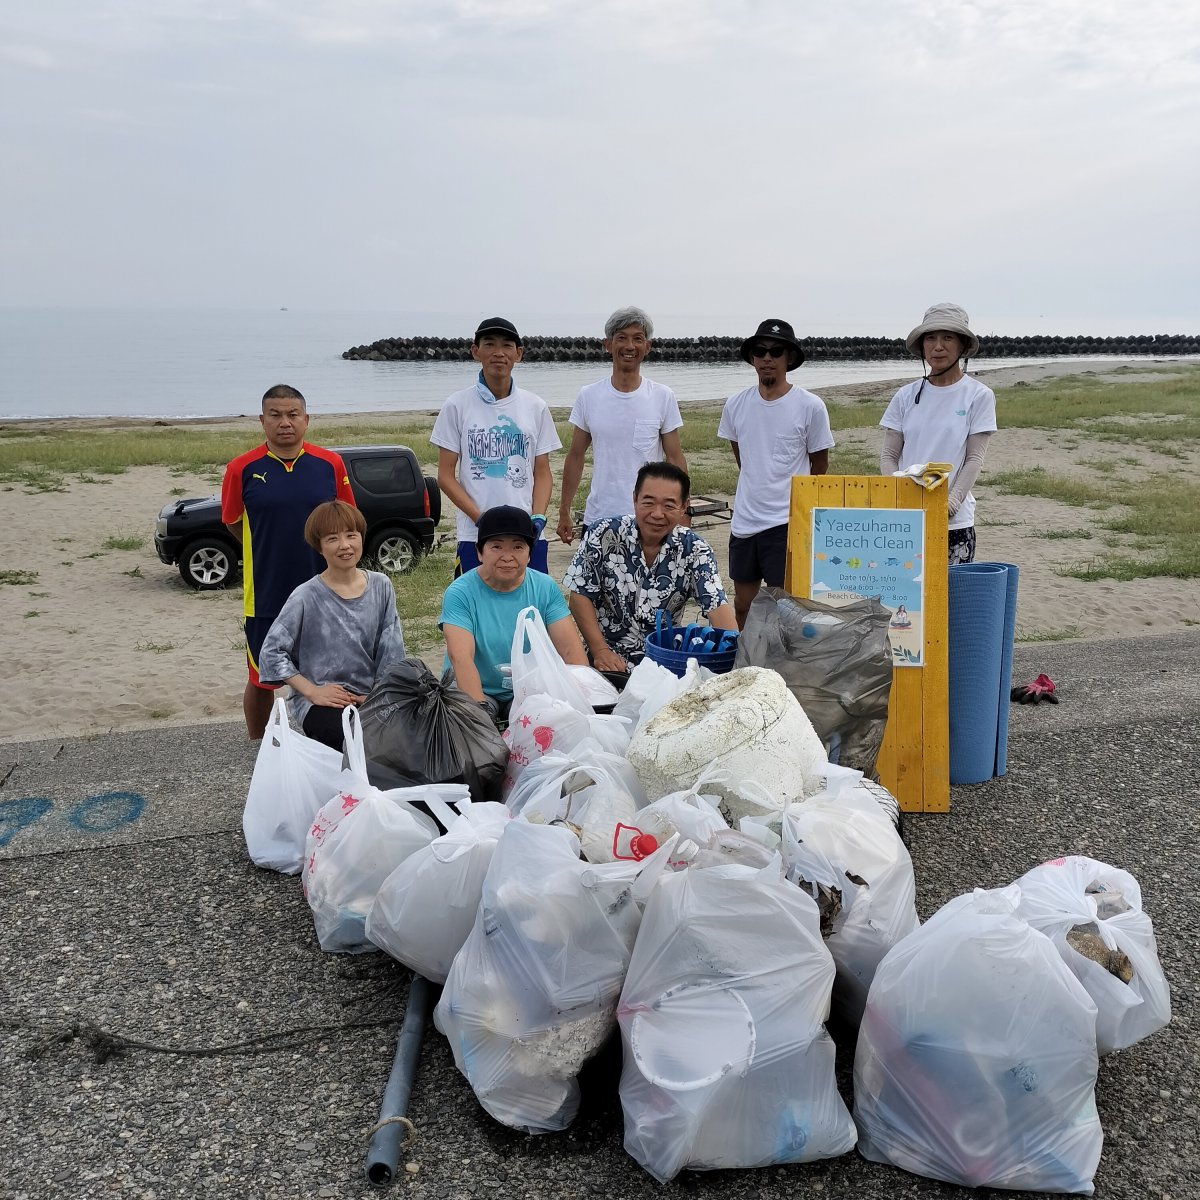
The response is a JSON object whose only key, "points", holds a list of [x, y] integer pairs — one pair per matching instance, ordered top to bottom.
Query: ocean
{"points": [[179, 364]]}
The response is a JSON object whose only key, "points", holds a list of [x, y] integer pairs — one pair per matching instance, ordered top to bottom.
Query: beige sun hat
{"points": [[948, 318]]}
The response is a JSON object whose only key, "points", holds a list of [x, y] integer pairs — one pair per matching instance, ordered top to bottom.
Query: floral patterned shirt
{"points": [[610, 570]]}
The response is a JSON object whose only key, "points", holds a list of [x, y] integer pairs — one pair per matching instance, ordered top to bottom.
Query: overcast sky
{"points": [[847, 163]]}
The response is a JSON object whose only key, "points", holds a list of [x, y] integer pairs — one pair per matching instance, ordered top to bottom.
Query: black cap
{"points": [[497, 325], [779, 331], [506, 520]]}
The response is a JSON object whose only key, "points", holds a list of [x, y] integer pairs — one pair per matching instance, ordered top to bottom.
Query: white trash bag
{"points": [[538, 669], [651, 685], [539, 723], [293, 776], [595, 793], [693, 813], [357, 840], [843, 849], [426, 907], [1093, 913], [532, 993], [727, 1060], [976, 1060]]}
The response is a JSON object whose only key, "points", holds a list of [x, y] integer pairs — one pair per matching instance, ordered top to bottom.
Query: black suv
{"points": [[402, 509]]}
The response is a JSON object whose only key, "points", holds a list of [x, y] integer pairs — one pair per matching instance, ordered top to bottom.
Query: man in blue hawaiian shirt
{"points": [[627, 568]]}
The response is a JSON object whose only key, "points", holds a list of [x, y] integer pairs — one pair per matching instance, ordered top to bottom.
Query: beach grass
{"points": [[1159, 414], [1154, 513], [1161, 514], [419, 597]]}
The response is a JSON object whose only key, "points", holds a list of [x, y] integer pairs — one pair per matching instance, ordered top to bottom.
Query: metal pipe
{"points": [[383, 1152]]}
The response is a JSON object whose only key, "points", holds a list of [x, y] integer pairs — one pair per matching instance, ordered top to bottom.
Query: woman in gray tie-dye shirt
{"points": [[337, 633]]}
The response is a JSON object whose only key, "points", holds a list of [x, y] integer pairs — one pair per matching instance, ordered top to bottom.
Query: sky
{"points": [[844, 164]]}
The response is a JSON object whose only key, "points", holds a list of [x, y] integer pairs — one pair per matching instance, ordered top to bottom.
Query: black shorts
{"points": [[759, 558]]}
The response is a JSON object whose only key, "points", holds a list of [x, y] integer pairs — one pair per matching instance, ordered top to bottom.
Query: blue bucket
{"points": [[672, 645]]}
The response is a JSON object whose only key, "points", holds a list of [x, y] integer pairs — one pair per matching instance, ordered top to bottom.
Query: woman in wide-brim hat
{"points": [[945, 416]]}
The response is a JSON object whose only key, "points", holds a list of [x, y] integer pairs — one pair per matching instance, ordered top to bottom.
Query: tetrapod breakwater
{"points": [[816, 349]]}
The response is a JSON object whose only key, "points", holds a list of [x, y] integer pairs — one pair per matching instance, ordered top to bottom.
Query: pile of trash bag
{"points": [[694, 871]]}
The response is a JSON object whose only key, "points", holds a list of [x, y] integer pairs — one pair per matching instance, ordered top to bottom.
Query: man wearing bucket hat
{"points": [[945, 416], [776, 430], [494, 441], [480, 608]]}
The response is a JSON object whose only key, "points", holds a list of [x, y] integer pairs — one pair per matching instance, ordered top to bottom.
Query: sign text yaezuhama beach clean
{"points": [[874, 552]]}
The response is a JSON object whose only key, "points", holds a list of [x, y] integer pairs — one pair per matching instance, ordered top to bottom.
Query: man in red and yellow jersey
{"points": [[266, 497]]}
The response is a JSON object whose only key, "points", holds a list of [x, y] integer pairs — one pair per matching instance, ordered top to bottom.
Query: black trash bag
{"points": [[837, 661], [418, 729]]}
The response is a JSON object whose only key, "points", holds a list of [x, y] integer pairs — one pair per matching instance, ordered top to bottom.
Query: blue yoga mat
{"points": [[977, 601], [1003, 700]]}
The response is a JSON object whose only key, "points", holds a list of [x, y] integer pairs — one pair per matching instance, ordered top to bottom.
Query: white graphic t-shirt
{"points": [[626, 429], [496, 444]]}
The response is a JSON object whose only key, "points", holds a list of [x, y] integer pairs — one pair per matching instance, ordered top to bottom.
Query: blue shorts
{"points": [[467, 558], [759, 558]]}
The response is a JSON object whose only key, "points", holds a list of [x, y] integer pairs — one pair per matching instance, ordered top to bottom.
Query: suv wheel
{"points": [[396, 552], [207, 563]]}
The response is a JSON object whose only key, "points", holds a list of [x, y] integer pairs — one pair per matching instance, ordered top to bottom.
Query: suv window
{"points": [[384, 476]]}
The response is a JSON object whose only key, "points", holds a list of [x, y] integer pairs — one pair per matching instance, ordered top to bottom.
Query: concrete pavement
{"points": [[128, 904]]}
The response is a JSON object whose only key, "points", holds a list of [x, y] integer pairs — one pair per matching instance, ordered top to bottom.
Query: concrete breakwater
{"points": [[816, 349]]}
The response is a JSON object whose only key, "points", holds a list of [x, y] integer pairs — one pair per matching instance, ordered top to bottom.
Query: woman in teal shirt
{"points": [[480, 609]]}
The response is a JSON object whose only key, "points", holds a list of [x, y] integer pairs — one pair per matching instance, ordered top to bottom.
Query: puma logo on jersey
{"points": [[256, 475]]}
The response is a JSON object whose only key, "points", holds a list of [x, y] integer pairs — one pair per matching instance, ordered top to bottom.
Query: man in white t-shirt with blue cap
{"points": [[776, 430], [494, 442]]}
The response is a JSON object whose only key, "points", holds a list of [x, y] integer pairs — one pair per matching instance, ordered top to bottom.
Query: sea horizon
{"points": [[182, 364]]}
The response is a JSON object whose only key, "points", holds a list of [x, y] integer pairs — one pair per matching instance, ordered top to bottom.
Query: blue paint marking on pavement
{"points": [[107, 811], [17, 813]]}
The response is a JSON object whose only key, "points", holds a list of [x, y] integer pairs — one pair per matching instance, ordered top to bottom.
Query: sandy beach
{"points": [[105, 639]]}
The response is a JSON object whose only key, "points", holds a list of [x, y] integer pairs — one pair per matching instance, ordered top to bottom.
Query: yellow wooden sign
{"points": [[914, 763]]}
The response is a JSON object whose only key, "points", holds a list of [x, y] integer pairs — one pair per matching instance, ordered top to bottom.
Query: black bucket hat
{"points": [[778, 331]]}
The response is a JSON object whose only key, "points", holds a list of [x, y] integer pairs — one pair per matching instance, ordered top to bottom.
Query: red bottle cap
{"points": [[643, 845]]}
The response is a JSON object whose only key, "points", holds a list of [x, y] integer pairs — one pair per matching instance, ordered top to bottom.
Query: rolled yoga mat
{"points": [[977, 601], [1010, 629]]}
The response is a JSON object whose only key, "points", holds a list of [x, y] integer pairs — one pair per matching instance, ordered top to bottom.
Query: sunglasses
{"points": [[768, 351]]}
